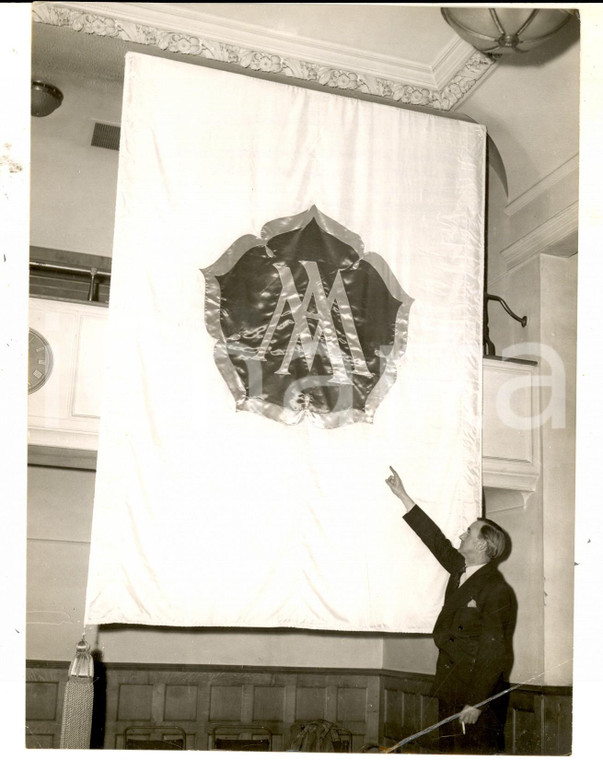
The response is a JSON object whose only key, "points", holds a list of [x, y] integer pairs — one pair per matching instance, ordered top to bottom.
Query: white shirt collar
{"points": [[470, 570]]}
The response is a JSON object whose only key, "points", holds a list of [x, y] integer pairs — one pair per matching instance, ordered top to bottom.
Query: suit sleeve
{"points": [[434, 540], [493, 652]]}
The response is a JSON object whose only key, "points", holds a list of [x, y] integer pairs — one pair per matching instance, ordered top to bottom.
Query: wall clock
{"points": [[40, 361]]}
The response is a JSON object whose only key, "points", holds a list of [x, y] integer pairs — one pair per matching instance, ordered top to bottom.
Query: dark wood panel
{"points": [[41, 700], [135, 702], [180, 703], [226, 703], [268, 703], [310, 703], [351, 705], [429, 711], [392, 714], [557, 721], [524, 732], [40, 741]]}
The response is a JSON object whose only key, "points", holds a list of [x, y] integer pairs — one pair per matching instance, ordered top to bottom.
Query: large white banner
{"points": [[295, 306]]}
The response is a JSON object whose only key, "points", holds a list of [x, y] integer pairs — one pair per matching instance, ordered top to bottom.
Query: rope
{"points": [[77, 714], [76, 723]]}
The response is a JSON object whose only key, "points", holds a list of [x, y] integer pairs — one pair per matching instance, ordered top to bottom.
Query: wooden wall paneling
{"points": [[203, 683], [44, 694], [166, 698], [393, 699], [42, 700], [177, 701], [135, 702], [331, 702], [129, 703], [180, 703], [226, 703], [247, 703], [268, 703], [311, 703], [351, 704], [111, 707], [376, 707], [180, 708], [357, 708], [269, 711], [411, 711], [352, 712], [374, 712], [289, 713], [429, 713], [411, 716], [557, 725], [524, 726], [40, 740]]}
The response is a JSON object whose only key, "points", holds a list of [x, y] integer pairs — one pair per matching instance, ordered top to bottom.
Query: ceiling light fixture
{"points": [[499, 31], [45, 98]]}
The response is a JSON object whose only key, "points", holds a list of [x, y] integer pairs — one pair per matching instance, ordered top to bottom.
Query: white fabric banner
{"points": [[210, 509]]}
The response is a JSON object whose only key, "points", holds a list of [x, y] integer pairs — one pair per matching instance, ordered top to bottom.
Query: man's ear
{"points": [[481, 544]]}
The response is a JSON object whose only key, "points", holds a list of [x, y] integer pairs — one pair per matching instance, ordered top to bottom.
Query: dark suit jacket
{"points": [[474, 630]]}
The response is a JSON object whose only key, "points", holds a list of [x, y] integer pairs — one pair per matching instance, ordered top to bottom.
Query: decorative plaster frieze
{"points": [[120, 23], [543, 186], [558, 236]]}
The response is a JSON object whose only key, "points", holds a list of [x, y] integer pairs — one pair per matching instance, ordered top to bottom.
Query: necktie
{"points": [[455, 580]]}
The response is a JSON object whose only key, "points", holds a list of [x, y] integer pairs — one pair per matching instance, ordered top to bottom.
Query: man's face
{"points": [[470, 538]]}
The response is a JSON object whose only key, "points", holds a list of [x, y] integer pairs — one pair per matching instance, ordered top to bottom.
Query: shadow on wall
{"points": [[99, 711]]}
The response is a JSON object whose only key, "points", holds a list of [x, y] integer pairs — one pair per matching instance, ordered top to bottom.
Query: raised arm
{"points": [[395, 483], [425, 528]]}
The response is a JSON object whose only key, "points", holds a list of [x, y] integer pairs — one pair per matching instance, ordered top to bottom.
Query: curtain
{"points": [[296, 305]]}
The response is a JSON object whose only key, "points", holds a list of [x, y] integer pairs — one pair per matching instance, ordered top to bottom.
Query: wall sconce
{"points": [[499, 31], [45, 98]]}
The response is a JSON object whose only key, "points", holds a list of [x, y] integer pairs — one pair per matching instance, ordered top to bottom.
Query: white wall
{"points": [[73, 185], [559, 285], [541, 565]]}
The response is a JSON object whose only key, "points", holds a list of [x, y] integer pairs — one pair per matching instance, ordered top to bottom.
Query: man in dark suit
{"points": [[473, 632]]}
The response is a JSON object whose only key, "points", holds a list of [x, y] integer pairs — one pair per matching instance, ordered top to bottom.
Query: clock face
{"points": [[40, 361]]}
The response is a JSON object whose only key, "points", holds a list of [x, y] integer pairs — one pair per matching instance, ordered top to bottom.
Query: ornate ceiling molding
{"points": [[111, 20]]}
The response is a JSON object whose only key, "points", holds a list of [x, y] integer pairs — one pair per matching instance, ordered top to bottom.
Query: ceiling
{"points": [[414, 33], [411, 44], [528, 102]]}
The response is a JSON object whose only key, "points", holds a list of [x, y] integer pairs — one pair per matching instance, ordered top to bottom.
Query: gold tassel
{"points": [[76, 724]]}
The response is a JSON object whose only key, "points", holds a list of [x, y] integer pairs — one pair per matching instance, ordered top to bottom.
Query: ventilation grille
{"points": [[105, 136]]}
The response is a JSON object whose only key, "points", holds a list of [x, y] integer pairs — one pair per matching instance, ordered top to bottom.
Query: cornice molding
{"points": [[440, 87], [543, 186], [558, 236]]}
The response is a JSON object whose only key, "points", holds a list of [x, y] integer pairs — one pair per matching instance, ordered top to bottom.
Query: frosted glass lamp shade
{"points": [[499, 31], [45, 98]]}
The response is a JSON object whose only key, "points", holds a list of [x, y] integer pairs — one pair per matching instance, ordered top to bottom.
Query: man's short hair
{"points": [[495, 538]]}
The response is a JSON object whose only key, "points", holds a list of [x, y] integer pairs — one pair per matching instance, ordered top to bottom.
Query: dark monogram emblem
{"points": [[305, 323]]}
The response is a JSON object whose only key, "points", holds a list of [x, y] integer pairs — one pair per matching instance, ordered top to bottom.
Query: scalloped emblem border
{"points": [[256, 60]]}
